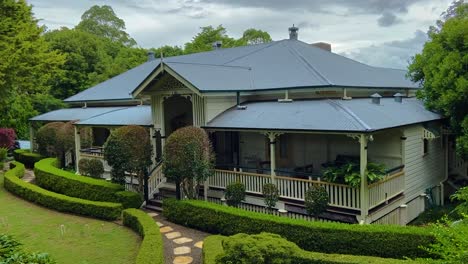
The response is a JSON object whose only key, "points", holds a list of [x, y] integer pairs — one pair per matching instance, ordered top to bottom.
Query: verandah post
{"points": [[77, 148], [364, 192]]}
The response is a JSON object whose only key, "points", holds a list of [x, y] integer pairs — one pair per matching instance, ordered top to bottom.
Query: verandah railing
{"points": [[391, 186], [340, 195]]}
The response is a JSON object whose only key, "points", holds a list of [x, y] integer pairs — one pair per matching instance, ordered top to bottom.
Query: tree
{"points": [[102, 21], [255, 36], [204, 40], [168, 51], [27, 65], [441, 69], [55, 140], [128, 149], [188, 159], [270, 195]]}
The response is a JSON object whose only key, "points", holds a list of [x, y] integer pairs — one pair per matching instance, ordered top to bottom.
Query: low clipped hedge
{"points": [[26, 157], [49, 177], [59, 202], [333, 238], [212, 247], [151, 248]]}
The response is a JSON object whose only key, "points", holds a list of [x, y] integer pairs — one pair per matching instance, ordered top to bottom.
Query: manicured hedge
{"points": [[26, 157], [49, 177], [59, 202], [369, 240], [212, 247], [151, 249]]}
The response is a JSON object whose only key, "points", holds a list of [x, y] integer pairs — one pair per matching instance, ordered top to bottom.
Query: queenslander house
{"points": [[286, 112]]}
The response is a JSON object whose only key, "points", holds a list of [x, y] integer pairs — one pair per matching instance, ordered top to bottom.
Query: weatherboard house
{"points": [[281, 112]]}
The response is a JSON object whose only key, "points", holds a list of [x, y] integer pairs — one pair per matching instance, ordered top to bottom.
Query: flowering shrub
{"points": [[7, 137]]}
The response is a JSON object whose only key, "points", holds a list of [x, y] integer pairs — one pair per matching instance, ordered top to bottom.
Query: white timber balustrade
{"points": [[155, 180], [386, 189], [340, 195]]}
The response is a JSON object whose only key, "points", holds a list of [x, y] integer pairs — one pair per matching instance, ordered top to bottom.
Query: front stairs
{"points": [[167, 190]]}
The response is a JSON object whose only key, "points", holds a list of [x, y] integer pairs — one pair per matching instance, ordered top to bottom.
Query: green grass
{"points": [[85, 240]]}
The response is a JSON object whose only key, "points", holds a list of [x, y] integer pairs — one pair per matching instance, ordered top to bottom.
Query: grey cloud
{"points": [[355, 6], [387, 19], [307, 24], [395, 54]]}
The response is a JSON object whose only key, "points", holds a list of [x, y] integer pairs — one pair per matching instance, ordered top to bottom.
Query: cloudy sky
{"points": [[378, 32]]}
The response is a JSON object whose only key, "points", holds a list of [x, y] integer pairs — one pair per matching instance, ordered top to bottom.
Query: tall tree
{"points": [[102, 21], [254, 36], [85, 55], [26, 67], [442, 70]]}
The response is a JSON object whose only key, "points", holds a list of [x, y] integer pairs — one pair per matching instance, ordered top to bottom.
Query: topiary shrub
{"points": [[7, 138], [46, 139], [55, 140], [128, 149], [3, 156], [26, 157], [188, 159], [83, 166], [91, 167], [235, 193], [270, 195], [129, 199], [316, 200], [56, 201], [371, 240], [213, 247], [260, 248], [151, 249]]}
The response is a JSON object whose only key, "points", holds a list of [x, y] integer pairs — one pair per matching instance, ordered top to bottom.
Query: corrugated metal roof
{"points": [[281, 64], [119, 87], [70, 114], [134, 115], [358, 115]]}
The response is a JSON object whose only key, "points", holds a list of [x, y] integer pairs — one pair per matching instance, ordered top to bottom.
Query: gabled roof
{"points": [[285, 64], [356, 115]]}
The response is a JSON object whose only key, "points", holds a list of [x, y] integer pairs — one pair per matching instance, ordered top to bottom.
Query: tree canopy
{"points": [[102, 21], [27, 67], [442, 70], [128, 149], [188, 159]]}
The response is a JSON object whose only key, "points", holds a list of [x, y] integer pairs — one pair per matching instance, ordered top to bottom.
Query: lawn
{"points": [[67, 238]]}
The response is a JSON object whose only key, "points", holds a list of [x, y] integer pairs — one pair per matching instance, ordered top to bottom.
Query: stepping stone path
{"points": [[28, 176], [182, 243]]}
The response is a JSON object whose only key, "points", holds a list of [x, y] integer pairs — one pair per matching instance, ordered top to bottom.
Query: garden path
{"points": [[29, 176], [182, 245]]}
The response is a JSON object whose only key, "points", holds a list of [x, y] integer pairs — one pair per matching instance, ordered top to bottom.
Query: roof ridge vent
{"points": [[217, 45], [398, 97], [376, 98]]}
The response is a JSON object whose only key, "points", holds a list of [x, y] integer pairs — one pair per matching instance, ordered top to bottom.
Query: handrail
{"points": [[285, 178], [387, 178]]}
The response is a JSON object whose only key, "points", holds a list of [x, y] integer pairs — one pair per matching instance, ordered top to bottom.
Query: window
{"points": [[425, 146]]}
